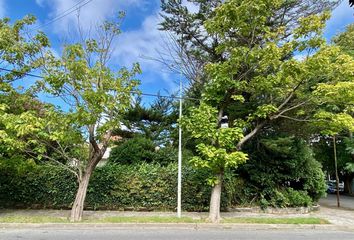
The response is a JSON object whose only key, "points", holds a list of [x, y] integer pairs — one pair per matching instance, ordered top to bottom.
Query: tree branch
{"points": [[286, 101], [288, 109], [296, 119], [250, 135], [92, 139], [33, 154]]}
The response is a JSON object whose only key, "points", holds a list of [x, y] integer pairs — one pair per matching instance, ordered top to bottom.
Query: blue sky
{"points": [[140, 39]]}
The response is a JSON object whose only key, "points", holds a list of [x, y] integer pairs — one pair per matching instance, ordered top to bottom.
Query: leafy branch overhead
{"points": [[202, 124]]}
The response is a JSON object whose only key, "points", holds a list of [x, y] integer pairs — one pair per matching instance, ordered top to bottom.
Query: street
{"points": [[171, 234]]}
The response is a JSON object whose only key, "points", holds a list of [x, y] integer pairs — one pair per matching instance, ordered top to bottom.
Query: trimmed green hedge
{"points": [[23, 184], [144, 186]]}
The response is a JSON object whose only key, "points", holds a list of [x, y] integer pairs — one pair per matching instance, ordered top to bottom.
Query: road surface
{"points": [[347, 202], [170, 234]]}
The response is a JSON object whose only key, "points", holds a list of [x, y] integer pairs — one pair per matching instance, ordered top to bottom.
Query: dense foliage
{"points": [[239, 56], [257, 81], [156, 122], [139, 150], [278, 166], [24, 184], [142, 186]]}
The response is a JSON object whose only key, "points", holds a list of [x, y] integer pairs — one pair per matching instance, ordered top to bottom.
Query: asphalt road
{"points": [[170, 234]]}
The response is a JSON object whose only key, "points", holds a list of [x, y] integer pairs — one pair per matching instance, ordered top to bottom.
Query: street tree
{"points": [[345, 42], [259, 81], [94, 96], [97, 97], [336, 100], [335, 115], [216, 149]]}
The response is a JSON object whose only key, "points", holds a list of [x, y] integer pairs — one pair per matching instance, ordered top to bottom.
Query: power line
{"points": [[64, 14], [18, 72], [133, 92]]}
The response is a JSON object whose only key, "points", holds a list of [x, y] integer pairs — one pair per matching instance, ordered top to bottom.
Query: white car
{"points": [[332, 186]]}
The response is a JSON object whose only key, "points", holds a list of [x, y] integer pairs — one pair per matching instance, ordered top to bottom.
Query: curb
{"points": [[195, 226]]}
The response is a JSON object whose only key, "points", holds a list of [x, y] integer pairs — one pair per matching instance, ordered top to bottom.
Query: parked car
{"points": [[332, 186]]}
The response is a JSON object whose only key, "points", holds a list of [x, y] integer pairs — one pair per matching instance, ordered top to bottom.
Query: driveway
{"points": [[346, 202]]}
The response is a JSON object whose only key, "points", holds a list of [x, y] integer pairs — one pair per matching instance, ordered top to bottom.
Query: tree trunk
{"points": [[96, 155], [336, 169], [348, 184], [78, 206], [214, 211]]}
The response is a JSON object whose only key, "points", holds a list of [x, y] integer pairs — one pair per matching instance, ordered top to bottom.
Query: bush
{"points": [[139, 150], [132, 151], [282, 172], [23, 184], [147, 186], [289, 197], [298, 198]]}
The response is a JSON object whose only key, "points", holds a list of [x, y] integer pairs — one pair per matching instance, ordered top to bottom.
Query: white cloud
{"points": [[40, 2], [2, 9], [90, 14], [138, 45], [142, 45]]}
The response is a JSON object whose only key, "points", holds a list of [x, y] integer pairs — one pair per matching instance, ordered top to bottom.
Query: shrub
{"points": [[139, 150], [132, 151], [282, 172], [116, 186], [148, 186], [298, 198]]}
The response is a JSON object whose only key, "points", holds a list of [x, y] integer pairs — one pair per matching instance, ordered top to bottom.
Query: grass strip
{"points": [[32, 219], [148, 219], [160, 219], [300, 220]]}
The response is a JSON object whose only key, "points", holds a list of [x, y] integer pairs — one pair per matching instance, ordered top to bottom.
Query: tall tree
{"points": [[345, 40], [192, 47], [259, 81], [96, 97], [156, 122], [216, 149]]}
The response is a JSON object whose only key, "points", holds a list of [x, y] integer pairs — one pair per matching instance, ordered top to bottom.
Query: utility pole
{"points": [[179, 180]]}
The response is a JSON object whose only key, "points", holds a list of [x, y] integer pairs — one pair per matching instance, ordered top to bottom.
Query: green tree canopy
{"points": [[258, 80], [96, 97]]}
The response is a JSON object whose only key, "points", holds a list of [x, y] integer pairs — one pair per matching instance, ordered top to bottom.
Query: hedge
{"points": [[24, 184], [136, 187]]}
